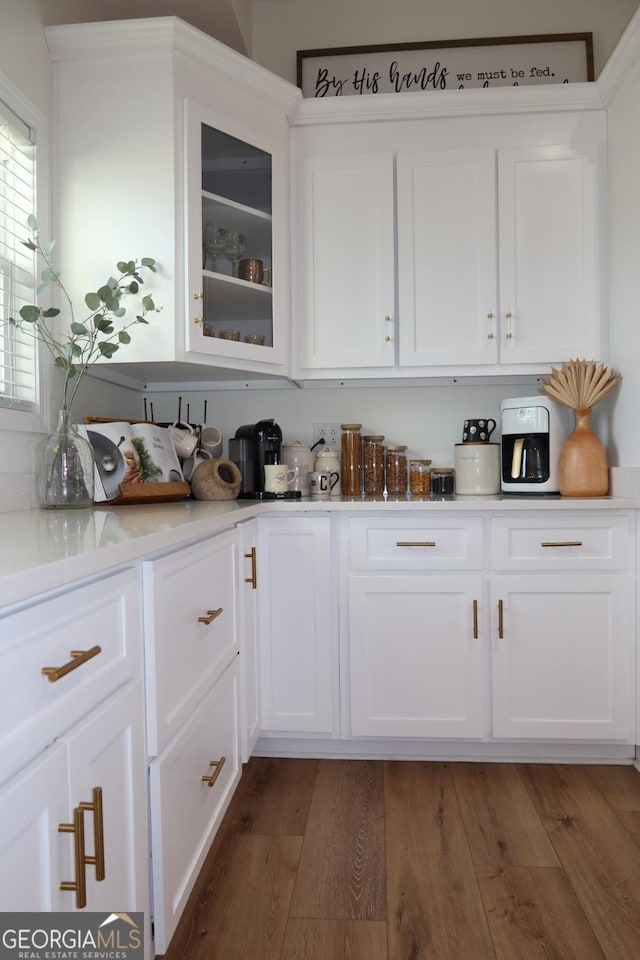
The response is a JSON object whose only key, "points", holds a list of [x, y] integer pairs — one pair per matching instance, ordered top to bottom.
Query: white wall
{"points": [[281, 27]]}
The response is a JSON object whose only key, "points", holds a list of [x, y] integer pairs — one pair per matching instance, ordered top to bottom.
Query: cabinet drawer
{"points": [[453, 543], [574, 543], [190, 614], [102, 617], [185, 810]]}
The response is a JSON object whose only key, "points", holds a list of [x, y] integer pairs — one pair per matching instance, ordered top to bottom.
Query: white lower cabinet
{"points": [[298, 626], [416, 656], [562, 656], [193, 704], [93, 780], [191, 784]]}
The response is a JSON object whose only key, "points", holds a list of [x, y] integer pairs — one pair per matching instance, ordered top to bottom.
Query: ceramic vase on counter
{"points": [[583, 470]]}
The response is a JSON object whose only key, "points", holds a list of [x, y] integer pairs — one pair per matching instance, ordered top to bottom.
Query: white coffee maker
{"points": [[533, 432]]}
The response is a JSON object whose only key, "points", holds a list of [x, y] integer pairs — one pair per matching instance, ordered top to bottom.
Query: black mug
{"points": [[478, 431]]}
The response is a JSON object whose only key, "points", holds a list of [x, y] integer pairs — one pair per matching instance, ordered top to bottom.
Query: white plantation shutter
{"points": [[18, 379]]}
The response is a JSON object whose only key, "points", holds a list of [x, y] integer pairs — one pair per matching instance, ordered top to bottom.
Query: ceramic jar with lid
{"points": [[298, 456], [351, 459], [327, 462]]}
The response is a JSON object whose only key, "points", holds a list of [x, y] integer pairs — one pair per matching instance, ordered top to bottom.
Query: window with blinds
{"points": [[18, 357]]}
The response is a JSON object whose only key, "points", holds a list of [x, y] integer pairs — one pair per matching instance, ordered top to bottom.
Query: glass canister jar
{"points": [[351, 459], [373, 463], [396, 471], [419, 478], [442, 481]]}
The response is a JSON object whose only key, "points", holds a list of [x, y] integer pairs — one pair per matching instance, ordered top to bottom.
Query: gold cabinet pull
{"points": [[198, 296], [490, 335], [508, 335], [387, 339], [416, 543], [561, 543], [253, 579], [211, 616], [475, 619], [500, 620], [78, 657], [217, 768], [98, 832], [79, 885]]}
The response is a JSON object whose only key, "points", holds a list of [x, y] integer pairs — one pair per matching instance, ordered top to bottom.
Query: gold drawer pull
{"points": [[416, 543], [561, 543], [253, 579], [211, 616], [475, 619], [500, 621], [78, 657], [218, 765], [98, 832], [79, 885]]}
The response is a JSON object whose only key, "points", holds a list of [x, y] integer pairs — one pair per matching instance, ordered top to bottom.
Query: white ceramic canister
{"points": [[299, 457], [327, 461], [477, 468]]}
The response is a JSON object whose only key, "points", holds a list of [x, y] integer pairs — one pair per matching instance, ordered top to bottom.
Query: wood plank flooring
{"points": [[394, 860]]}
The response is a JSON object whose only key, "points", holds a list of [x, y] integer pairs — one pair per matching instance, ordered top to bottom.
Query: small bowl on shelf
{"points": [[229, 334], [256, 338]]}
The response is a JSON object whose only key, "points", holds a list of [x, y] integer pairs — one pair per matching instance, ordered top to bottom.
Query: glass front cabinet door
{"points": [[238, 299]]}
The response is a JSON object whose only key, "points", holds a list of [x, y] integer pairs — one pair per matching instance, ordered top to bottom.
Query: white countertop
{"points": [[43, 550]]}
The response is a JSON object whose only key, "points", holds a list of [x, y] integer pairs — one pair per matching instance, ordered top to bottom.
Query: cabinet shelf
{"points": [[254, 224]]}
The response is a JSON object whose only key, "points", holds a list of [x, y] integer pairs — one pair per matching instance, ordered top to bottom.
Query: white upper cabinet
{"points": [[172, 133], [348, 261], [497, 261], [447, 277]]}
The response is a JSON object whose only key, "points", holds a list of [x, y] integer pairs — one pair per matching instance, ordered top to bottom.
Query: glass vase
{"points": [[64, 467]]}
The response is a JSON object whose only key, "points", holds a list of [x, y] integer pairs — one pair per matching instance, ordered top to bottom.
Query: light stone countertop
{"points": [[45, 550]]}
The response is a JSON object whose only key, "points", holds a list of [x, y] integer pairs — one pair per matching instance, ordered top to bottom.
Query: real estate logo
{"points": [[71, 936]]}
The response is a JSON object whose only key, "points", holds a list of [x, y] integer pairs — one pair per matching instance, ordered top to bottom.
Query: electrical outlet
{"points": [[331, 433]]}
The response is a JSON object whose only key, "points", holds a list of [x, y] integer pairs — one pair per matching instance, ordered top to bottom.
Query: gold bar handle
{"points": [[416, 543], [561, 543], [253, 579], [211, 616], [475, 619], [500, 620], [78, 657], [217, 765], [98, 832], [79, 885]]}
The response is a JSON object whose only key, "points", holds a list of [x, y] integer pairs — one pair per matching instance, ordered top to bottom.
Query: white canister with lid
{"points": [[298, 456], [327, 461]]}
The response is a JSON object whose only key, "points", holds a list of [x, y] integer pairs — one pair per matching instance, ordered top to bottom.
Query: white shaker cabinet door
{"points": [[348, 262], [447, 277], [550, 290], [297, 626], [416, 656], [563, 656]]}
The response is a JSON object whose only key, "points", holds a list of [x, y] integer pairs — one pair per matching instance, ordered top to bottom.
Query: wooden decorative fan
{"points": [[580, 384]]}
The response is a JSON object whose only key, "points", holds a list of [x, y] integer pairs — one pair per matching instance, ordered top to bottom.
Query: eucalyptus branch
{"points": [[96, 336]]}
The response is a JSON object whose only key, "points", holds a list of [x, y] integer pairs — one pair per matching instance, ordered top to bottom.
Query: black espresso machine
{"points": [[254, 445]]}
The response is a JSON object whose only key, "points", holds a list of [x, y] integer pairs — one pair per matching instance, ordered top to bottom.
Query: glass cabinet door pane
{"points": [[236, 239]]}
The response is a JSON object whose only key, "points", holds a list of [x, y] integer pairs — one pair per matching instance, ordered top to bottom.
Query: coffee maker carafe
{"points": [[533, 433], [254, 445]]}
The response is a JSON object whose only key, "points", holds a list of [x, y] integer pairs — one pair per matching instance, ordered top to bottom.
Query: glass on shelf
{"points": [[214, 239], [235, 247]]}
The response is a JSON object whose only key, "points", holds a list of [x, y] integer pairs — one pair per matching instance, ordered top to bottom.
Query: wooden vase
{"points": [[583, 461]]}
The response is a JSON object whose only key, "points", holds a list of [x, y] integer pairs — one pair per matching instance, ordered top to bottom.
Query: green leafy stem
{"points": [[94, 337]]}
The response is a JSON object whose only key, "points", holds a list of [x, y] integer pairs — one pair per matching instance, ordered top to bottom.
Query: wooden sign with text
{"points": [[446, 65]]}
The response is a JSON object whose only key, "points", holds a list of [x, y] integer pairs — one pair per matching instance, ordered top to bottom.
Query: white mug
{"points": [[184, 439], [211, 441], [189, 465], [277, 477], [322, 482]]}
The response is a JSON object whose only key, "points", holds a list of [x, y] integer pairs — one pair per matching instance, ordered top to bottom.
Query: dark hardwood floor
{"points": [[391, 860]]}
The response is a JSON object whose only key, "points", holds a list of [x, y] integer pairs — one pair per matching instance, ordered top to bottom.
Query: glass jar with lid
{"points": [[351, 459], [373, 465], [396, 470], [419, 478], [442, 481]]}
